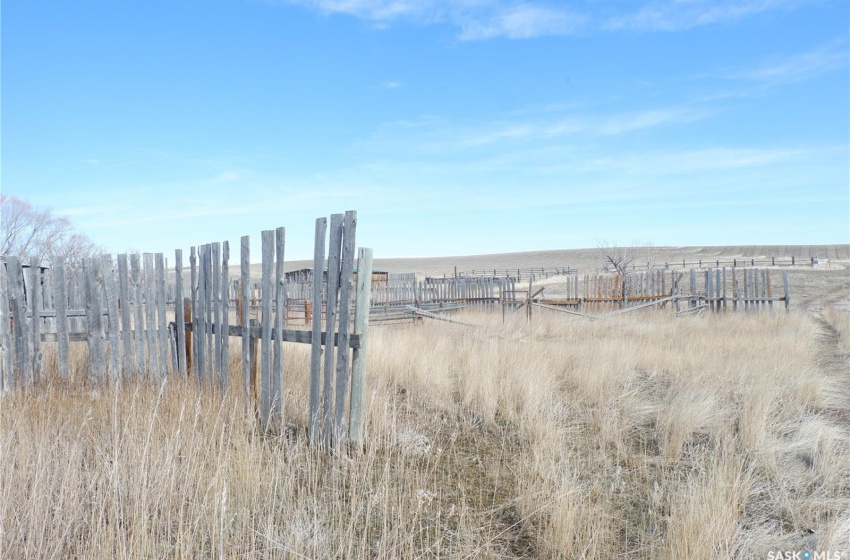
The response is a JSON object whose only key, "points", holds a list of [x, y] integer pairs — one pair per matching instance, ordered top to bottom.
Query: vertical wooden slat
{"points": [[245, 252], [334, 253], [215, 257], [194, 283], [785, 288], [34, 296], [180, 313], [94, 316], [138, 316], [150, 316], [201, 317], [162, 320], [111, 324], [126, 325], [20, 326], [266, 327], [316, 344], [208, 349], [342, 351], [224, 372], [6, 375], [276, 413], [357, 415]]}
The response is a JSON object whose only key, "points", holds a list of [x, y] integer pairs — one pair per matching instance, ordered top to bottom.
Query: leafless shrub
{"points": [[34, 233]]}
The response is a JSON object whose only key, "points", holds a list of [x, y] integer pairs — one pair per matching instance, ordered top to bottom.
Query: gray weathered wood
{"points": [[245, 252], [215, 254], [334, 255], [785, 289], [34, 296], [60, 298], [179, 313], [138, 316], [94, 319], [162, 319], [194, 320], [200, 322], [112, 323], [266, 324], [126, 325], [20, 327], [151, 341], [316, 348], [208, 349], [342, 358], [224, 372], [6, 376], [276, 412], [357, 413]]}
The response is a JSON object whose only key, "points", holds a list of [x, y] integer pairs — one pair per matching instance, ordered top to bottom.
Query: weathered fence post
{"points": [[244, 318], [316, 343], [342, 371], [357, 421]]}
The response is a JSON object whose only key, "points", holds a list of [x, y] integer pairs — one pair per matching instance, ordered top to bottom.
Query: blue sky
{"points": [[468, 127]]}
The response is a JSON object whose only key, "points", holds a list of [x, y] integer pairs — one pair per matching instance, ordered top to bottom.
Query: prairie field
{"points": [[641, 436]]}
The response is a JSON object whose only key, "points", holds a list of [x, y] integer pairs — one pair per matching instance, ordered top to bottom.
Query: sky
{"points": [[453, 128]]}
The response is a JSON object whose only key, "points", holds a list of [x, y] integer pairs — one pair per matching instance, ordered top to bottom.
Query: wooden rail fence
{"points": [[116, 307]]}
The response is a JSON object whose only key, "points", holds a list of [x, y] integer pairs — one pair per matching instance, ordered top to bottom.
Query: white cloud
{"points": [[678, 15], [479, 20], [522, 21], [798, 67], [392, 85]]}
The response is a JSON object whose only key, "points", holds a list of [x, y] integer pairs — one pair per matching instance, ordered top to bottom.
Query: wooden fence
{"points": [[712, 289], [117, 307]]}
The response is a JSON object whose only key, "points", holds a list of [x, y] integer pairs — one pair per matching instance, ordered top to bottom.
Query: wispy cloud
{"points": [[679, 15], [479, 20], [521, 21], [799, 67], [391, 84], [437, 135]]}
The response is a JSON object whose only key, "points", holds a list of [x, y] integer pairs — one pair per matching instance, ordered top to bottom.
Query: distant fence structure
{"points": [[735, 262], [711, 289], [116, 305]]}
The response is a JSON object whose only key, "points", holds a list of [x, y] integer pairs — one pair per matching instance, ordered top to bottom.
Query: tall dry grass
{"points": [[638, 437]]}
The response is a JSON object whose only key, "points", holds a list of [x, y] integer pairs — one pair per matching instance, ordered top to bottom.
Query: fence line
{"points": [[117, 306]]}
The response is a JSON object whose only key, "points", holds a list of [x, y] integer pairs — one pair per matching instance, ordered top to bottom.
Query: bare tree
{"points": [[32, 233], [619, 258]]}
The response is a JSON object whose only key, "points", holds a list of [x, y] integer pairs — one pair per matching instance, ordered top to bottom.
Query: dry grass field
{"points": [[642, 436]]}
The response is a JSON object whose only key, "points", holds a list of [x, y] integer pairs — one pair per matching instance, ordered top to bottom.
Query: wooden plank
{"points": [[334, 255], [215, 264], [245, 264], [785, 289], [769, 290], [34, 294], [180, 313], [138, 315], [94, 318], [194, 319], [200, 319], [162, 320], [112, 322], [126, 325], [20, 328], [265, 340], [151, 341], [316, 348], [208, 349], [342, 358], [224, 372], [6, 376], [276, 412], [357, 413]]}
